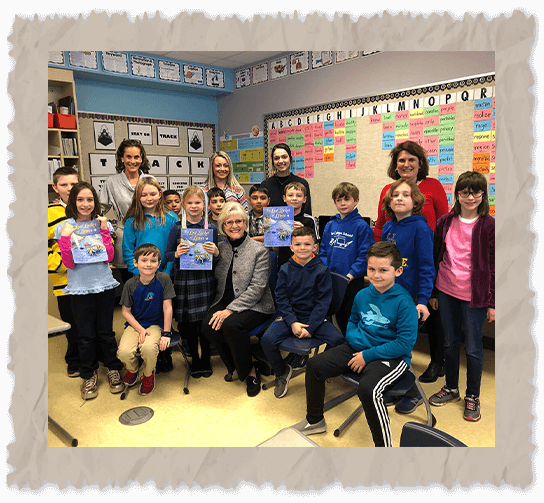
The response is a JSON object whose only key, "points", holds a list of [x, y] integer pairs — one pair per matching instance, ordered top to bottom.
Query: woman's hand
{"points": [[434, 304], [218, 317], [164, 342]]}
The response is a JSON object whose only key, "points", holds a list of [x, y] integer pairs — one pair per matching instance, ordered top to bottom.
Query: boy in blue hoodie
{"points": [[345, 241], [303, 297], [380, 336]]}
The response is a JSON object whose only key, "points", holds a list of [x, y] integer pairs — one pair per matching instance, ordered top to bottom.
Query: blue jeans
{"points": [[457, 316], [276, 333]]}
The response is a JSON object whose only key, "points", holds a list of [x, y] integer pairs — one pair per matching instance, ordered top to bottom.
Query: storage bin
{"points": [[50, 120], [63, 121]]}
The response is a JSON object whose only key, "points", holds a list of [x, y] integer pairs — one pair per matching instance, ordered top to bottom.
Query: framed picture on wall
{"points": [[321, 59], [299, 62], [279, 68], [259, 73], [215, 78], [243, 78], [104, 136], [195, 139], [157, 164], [178, 165], [200, 165]]}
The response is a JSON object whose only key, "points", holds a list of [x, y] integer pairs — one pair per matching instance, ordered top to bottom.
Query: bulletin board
{"points": [[351, 140], [178, 151]]}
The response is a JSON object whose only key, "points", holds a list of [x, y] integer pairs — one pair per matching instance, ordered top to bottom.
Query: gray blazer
{"points": [[250, 276]]}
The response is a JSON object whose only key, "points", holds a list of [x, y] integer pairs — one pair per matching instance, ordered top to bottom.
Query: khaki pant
{"points": [[128, 349]]}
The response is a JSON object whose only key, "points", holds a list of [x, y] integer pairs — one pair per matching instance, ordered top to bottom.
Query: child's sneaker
{"points": [[299, 362], [73, 372], [130, 378], [116, 383], [148, 384], [89, 387], [444, 396], [472, 408], [310, 429]]}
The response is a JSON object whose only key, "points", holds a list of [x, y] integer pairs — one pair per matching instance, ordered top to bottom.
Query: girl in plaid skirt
{"points": [[195, 289]]}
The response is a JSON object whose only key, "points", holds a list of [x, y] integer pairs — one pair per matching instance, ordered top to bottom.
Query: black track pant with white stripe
{"points": [[376, 377]]}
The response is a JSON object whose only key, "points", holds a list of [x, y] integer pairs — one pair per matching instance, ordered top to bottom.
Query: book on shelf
{"points": [[68, 102], [278, 224], [197, 258]]}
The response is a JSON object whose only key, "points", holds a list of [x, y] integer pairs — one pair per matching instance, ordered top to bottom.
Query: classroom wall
{"points": [[375, 74], [105, 97]]}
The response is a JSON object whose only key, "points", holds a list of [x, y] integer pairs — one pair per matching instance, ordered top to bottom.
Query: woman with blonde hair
{"points": [[220, 175]]}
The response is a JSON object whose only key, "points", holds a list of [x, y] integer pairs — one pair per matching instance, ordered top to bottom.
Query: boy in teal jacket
{"points": [[381, 333]]}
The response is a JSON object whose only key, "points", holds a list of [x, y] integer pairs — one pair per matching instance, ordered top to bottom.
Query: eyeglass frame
{"points": [[475, 195]]}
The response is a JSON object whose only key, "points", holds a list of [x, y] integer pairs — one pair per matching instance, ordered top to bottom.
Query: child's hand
{"points": [[103, 222], [298, 224], [67, 230], [211, 248], [181, 250], [350, 277], [433, 303], [422, 312], [490, 314], [297, 329], [304, 334], [142, 335], [164, 342], [357, 363]]}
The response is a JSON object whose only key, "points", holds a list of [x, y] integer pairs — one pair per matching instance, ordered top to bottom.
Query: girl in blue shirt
{"points": [[147, 221], [92, 289]]}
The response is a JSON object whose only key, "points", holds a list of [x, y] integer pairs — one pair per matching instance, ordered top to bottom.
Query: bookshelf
{"points": [[64, 146]]}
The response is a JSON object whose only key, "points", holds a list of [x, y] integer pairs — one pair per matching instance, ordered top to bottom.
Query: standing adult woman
{"points": [[281, 161], [409, 162], [220, 175], [117, 191], [243, 299]]}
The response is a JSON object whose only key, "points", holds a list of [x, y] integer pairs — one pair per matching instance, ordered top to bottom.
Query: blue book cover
{"points": [[278, 224], [87, 245], [196, 258]]}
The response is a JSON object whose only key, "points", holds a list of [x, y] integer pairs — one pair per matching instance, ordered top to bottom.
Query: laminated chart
{"points": [[351, 140], [247, 155]]}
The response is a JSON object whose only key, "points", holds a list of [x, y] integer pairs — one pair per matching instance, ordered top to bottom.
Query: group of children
{"points": [[379, 322]]}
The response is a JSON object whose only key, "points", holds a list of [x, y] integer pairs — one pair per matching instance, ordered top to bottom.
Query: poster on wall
{"points": [[342, 56], [56, 57], [84, 59], [321, 59], [115, 62], [299, 62], [143, 67], [278, 68], [169, 70], [259, 73], [193, 75], [215, 78], [243, 78], [141, 132], [104, 134], [168, 136], [195, 139], [102, 164], [157, 164], [178, 165], [200, 165], [201, 181], [179, 183]]}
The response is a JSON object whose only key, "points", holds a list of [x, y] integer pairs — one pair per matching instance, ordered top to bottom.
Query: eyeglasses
{"points": [[465, 193], [238, 223]]}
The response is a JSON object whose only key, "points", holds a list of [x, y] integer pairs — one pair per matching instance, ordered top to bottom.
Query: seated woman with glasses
{"points": [[243, 298]]}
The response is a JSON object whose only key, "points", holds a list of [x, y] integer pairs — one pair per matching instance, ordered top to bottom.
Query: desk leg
{"points": [[69, 437]]}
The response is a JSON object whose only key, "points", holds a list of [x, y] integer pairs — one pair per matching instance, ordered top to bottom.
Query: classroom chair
{"points": [[177, 341], [305, 346], [397, 390], [423, 435]]}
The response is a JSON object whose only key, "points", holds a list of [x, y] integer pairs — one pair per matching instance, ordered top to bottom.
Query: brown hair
{"points": [[283, 146], [412, 148], [120, 166], [64, 171], [474, 181], [296, 186], [345, 189], [417, 197], [71, 208], [136, 210], [304, 231], [147, 249], [383, 249]]}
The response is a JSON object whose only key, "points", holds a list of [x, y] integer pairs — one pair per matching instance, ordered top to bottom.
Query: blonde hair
{"points": [[231, 179], [194, 190], [230, 208], [136, 210]]}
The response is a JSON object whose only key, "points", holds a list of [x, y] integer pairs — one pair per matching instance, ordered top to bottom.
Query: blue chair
{"points": [[305, 346], [423, 435]]}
